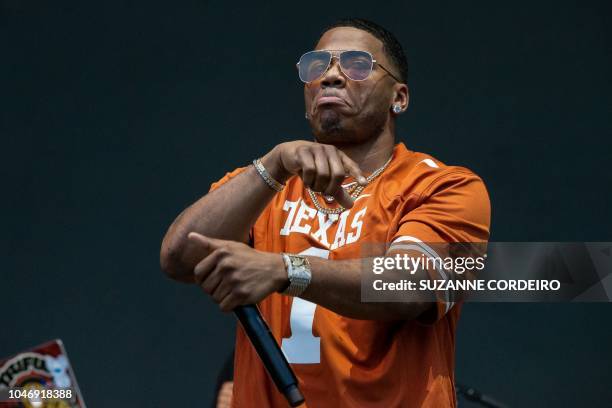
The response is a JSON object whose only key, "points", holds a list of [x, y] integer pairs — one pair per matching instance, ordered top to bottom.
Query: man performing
{"points": [[290, 233]]}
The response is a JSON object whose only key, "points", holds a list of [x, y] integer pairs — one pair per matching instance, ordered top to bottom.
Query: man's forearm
{"points": [[229, 212], [226, 213], [336, 285]]}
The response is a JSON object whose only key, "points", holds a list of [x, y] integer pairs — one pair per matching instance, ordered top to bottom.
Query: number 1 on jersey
{"points": [[303, 347]]}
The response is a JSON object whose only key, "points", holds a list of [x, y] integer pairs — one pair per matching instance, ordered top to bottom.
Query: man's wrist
{"points": [[273, 164], [299, 274], [282, 278]]}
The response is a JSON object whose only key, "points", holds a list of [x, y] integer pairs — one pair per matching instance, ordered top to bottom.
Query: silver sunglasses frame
{"points": [[337, 54]]}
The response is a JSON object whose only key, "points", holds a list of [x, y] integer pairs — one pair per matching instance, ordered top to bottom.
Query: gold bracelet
{"points": [[273, 184]]}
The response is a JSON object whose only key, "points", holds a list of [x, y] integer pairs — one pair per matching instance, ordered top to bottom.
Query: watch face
{"points": [[297, 262]]}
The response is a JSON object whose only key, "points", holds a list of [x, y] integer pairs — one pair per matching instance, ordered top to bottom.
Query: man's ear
{"points": [[401, 96]]}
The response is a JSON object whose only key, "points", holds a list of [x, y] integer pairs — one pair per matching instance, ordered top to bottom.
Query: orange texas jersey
{"points": [[343, 362]]}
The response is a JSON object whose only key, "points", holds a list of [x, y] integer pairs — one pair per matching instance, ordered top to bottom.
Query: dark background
{"points": [[116, 116]]}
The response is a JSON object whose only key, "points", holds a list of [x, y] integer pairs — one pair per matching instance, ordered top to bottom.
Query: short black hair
{"points": [[391, 46]]}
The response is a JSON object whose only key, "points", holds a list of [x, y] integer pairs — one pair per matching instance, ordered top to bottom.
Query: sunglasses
{"points": [[354, 64]]}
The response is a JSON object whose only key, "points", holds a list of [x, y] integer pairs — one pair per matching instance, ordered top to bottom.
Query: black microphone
{"points": [[270, 353]]}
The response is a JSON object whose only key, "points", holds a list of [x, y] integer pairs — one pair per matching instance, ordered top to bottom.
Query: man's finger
{"points": [[353, 169], [309, 170], [338, 172], [322, 175], [343, 198], [209, 243], [206, 266], [211, 283], [221, 291], [228, 303]]}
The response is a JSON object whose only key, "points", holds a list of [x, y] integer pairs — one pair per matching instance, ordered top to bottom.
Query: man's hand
{"points": [[321, 167], [235, 274]]}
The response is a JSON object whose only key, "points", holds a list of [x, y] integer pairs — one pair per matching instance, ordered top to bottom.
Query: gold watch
{"points": [[298, 272]]}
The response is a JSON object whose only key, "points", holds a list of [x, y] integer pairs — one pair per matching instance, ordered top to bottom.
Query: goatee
{"points": [[330, 122]]}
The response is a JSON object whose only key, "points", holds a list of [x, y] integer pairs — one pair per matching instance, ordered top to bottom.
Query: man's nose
{"points": [[333, 77]]}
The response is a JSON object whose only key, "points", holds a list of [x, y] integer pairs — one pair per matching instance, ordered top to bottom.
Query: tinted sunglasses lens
{"points": [[313, 65], [357, 65]]}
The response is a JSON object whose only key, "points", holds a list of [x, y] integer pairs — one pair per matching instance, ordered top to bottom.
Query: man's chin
{"points": [[329, 126], [329, 134]]}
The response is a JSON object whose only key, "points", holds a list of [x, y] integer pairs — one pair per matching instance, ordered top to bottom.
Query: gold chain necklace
{"points": [[354, 191]]}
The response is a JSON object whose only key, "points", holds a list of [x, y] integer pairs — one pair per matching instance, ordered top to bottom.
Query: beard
{"points": [[331, 122], [334, 128]]}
